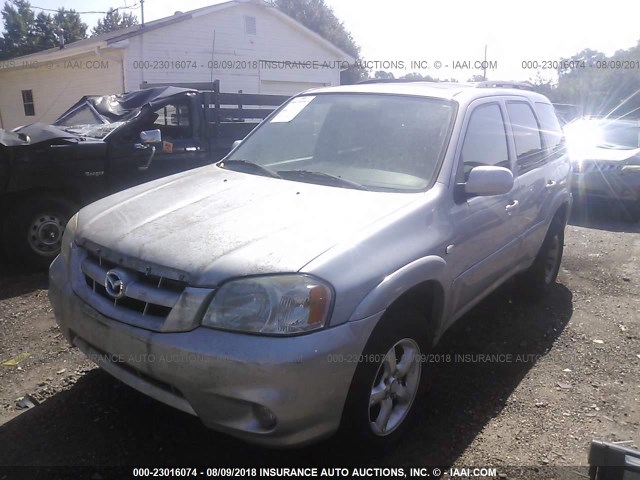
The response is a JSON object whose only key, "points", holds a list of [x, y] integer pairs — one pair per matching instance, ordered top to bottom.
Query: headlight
{"points": [[68, 236], [275, 305]]}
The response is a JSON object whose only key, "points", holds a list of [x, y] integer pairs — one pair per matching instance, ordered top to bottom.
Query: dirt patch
{"points": [[515, 383]]}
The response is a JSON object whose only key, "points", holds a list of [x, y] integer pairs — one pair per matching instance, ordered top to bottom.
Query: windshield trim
{"points": [[441, 155]]}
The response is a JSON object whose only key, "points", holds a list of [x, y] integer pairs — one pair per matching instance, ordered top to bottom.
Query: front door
{"points": [[181, 147], [486, 242]]}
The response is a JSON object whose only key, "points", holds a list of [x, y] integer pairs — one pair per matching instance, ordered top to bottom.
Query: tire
{"points": [[33, 232], [535, 282], [388, 381]]}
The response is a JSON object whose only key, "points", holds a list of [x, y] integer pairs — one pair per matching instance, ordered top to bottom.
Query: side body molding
{"points": [[394, 285]]}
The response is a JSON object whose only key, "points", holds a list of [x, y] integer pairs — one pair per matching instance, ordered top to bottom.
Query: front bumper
{"points": [[614, 184], [267, 390]]}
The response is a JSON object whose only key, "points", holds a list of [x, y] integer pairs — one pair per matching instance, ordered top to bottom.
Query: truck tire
{"points": [[33, 231], [535, 282], [388, 380]]}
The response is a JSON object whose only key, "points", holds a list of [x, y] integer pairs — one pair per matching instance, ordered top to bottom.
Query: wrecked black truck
{"points": [[104, 144]]}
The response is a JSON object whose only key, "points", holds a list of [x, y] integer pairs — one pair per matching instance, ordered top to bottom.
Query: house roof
{"points": [[109, 39]]}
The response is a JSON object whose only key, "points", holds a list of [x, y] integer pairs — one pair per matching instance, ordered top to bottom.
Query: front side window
{"points": [[526, 135], [485, 141], [378, 142]]}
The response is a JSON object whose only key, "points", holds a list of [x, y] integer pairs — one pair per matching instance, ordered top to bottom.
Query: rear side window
{"points": [[551, 131], [526, 135], [485, 142]]}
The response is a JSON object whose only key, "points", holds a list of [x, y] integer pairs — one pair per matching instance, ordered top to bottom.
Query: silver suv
{"points": [[293, 288]]}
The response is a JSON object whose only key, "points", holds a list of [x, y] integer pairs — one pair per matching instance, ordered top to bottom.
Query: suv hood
{"points": [[603, 154], [213, 224]]}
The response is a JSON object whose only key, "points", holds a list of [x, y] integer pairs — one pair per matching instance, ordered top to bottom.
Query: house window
{"points": [[250, 25], [27, 102]]}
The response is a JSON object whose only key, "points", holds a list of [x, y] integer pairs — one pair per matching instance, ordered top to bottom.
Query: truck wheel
{"points": [[33, 232], [536, 281], [388, 379]]}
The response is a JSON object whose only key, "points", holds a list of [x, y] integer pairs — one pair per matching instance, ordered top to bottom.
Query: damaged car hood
{"points": [[116, 108], [92, 116], [33, 134], [215, 224]]}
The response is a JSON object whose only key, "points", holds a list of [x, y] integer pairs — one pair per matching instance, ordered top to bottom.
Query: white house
{"points": [[248, 45]]}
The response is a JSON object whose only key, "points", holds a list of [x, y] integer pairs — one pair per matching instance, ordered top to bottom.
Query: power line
{"points": [[132, 7]]}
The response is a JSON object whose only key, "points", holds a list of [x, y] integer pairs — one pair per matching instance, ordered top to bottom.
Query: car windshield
{"points": [[613, 134], [366, 141]]}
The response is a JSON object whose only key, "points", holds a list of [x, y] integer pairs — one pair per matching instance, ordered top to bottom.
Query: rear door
{"points": [[535, 167], [486, 241]]}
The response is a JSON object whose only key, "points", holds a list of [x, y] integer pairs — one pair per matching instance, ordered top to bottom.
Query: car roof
{"points": [[460, 92]]}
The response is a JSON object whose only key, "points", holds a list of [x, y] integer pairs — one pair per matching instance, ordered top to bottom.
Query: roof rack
{"points": [[391, 80], [505, 84]]}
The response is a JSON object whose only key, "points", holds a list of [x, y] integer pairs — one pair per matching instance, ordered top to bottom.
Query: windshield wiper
{"points": [[247, 166], [320, 177]]}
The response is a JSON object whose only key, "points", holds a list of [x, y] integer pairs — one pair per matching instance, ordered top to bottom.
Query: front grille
{"points": [[588, 167], [143, 293]]}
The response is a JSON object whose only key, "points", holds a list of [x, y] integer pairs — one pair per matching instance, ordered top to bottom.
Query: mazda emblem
{"points": [[114, 284]]}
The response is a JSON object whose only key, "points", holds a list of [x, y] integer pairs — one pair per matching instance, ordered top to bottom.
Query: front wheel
{"points": [[33, 232], [387, 382], [395, 387]]}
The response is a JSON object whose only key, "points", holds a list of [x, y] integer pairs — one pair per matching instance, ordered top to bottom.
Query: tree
{"points": [[317, 16], [114, 21], [73, 28], [45, 31], [26, 33], [18, 38], [382, 75], [418, 77], [477, 78]]}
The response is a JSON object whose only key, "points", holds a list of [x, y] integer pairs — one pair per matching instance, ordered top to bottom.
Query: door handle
{"points": [[148, 164], [550, 184], [509, 208]]}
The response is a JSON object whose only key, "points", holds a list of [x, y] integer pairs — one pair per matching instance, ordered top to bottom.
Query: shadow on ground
{"points": [[15, 280], [99, 421]]}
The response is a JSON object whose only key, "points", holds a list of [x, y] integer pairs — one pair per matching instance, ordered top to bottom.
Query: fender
{"points": [[394, 285]]}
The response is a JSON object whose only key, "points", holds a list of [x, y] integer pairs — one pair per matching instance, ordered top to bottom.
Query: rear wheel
{"points": [[33, 232], [542, 274], [389, 379]]}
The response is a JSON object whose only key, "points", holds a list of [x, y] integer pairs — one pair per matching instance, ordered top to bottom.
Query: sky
{"points": [[452, 32]]}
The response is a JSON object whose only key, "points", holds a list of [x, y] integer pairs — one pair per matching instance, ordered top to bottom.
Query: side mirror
{"points": [[151, 136], [235, 144], [487, 181]]}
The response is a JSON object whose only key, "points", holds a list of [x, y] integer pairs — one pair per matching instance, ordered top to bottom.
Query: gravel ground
{"points": [[568, 371]]}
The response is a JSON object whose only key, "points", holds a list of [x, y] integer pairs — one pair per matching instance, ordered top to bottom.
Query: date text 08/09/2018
{"points": [[328, 472]]}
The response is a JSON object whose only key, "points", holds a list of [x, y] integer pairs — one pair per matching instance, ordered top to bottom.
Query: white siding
{"points": [[181, 52], [152, 57], [56, 86], [286, 88]]}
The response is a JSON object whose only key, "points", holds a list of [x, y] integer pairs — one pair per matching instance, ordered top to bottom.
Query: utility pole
{"points": [[141, 13], [484, 70]]}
